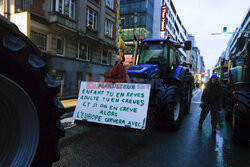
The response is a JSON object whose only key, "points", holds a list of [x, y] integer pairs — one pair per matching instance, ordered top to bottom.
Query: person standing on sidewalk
{"points": [[211, 101]]}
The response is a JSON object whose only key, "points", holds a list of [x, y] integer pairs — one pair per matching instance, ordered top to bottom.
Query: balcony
{"points": [[61, 20], [91, 33]]}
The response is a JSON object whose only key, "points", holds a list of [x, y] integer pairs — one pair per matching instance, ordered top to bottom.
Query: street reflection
{"points": [[219, 149]]}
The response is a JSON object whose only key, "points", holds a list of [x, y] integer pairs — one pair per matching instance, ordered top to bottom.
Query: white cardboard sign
{"points": [[119, 104]]}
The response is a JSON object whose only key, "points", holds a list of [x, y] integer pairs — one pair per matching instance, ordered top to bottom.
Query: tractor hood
{"points": [[143, 70]]}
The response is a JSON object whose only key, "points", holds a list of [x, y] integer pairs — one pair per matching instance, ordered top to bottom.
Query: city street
{"points": [[118, 83], [188, 147]]}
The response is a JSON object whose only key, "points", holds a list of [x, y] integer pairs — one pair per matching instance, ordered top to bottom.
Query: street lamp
{"points": [[224, 32]]}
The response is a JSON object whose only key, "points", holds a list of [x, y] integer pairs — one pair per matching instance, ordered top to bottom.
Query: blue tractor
{"points": [[158, 63]]}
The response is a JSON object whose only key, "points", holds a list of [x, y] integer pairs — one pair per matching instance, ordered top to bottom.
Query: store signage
{"points": [[163, 18]]}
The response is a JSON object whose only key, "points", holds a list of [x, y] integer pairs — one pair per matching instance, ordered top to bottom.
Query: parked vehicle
{"points": [[237, 92]]}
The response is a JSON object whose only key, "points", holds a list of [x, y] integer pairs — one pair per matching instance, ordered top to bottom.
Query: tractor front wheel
{"points": [[170, 109]]}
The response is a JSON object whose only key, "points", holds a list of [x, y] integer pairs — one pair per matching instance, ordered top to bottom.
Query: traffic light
{"points": [[224, 30]]}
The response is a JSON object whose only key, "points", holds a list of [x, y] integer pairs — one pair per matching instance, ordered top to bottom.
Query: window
{"points": [[109, 3], [65, 7], [91, 19], [108, 28], [39, 39], [60, 46], [84, 52], [154, 53], [106, 56], [173, 59]]}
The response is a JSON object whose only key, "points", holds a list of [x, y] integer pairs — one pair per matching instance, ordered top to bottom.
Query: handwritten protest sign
{"points": [[119, 104]]}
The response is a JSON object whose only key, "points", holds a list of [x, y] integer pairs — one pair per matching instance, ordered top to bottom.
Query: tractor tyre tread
{"points": [[28, 69]]}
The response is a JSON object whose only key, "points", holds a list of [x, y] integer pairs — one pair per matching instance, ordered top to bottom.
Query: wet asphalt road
{"points": [[188, 147]]}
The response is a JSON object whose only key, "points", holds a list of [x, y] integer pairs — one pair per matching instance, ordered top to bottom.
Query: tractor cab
{"points": [[157, 56], [240, 62]]}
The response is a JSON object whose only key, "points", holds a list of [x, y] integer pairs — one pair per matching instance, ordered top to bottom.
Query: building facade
{"points": [[136, 18], [174, 26], [242, 31], [78, 37], [191, 38], [235, 45], [194, 56], [202, 66], [208, 74]]}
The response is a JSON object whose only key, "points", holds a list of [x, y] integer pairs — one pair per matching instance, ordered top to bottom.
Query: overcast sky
{"points": [[203, 17]]}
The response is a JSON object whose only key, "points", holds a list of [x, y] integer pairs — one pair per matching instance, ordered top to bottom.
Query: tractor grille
{"points": [[135, 68], [138, 75]]}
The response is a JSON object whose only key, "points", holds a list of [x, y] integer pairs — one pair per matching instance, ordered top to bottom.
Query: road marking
{"points": [[196, 92], [198, 102]]}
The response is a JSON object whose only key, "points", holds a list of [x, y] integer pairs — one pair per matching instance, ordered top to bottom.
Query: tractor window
{"points": [[153, 53], [179, 55], [173, 57]]}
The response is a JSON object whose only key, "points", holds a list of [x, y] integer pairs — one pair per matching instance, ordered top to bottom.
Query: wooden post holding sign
{"points": [[119, 104]]}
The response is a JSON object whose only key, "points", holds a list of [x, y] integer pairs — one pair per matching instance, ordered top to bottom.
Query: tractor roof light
{"points": [[168, 36]]}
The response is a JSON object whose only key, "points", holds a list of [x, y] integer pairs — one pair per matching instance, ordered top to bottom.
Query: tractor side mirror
{"points": [[187, 45], [222, 61]]}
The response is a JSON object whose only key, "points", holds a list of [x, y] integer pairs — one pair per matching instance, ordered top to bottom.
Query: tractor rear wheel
{"points": [[241, 117], [29, 123]]}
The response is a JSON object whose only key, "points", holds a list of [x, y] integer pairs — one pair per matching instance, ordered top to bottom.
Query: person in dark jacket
{"points": [[211, 101]]}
